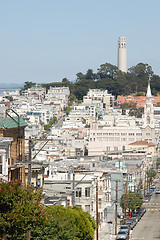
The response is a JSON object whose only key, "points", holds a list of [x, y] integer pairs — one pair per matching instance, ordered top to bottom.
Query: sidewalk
{"points": [[106, 232]]}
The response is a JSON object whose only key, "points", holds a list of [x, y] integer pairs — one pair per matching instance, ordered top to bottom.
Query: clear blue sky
{"points": [[47, 40]]}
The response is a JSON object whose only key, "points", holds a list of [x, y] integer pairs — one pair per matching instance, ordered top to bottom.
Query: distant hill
{"points": [[11, 85]]}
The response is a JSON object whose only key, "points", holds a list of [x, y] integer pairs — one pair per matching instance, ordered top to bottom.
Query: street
{"points": [[148, 227]]}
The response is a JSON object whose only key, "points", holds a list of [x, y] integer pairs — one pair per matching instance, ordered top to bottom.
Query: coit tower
{"points": [[122, 61]]}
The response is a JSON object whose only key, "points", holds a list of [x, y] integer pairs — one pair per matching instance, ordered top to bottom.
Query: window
{"points": [[116, 134], [123, 134], [131, 134], [99, 139], [105, 139], [111, 139], [117, 139], [123, 139], [131, 139], [39, 182], [78, 192], [87, 192], [100, 203], [92, 206], [87, 208]]}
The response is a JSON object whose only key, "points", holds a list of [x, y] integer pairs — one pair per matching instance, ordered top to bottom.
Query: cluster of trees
{"points": [[111, 78], [67, 109], [133, 110], [51, 122], [151, 173], [133, 201], [22, 213]]}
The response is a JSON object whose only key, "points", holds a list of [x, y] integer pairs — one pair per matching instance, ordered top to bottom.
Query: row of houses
{"points": [[94, 147]]}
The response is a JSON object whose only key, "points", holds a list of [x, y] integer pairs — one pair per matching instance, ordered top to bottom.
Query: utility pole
{"points": [[29, 161], [147, 179], [145, 184], [73, 190], [125, 203], [116, 207], [97, 210]]}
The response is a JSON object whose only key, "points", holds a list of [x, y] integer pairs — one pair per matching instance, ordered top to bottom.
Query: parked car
{"points": [[157, 191], [150, 193], [146, 199], [141, 211], [121, 216], [138, 217], [134, 221], [129, 224], [124, 228], [122, 235]]}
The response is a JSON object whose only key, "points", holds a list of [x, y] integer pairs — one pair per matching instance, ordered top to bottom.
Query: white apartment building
{"points": [[37, 91], [59, 93], [96, 95]]}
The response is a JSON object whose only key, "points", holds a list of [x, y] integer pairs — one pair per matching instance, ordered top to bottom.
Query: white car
{"points": [[157, 191]]}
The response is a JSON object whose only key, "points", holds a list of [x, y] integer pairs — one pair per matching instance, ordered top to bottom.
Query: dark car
{"points": [[141, 211], [137, 216], [134, 220], [129, 224], [124, 228], [122, 235]]}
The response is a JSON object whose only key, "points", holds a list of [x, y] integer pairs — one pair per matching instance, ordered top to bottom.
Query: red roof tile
{"points": [[142, 143]]}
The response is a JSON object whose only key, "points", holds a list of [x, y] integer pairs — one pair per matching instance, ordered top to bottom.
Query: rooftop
{"points": [[11, 123], [142, 143]]}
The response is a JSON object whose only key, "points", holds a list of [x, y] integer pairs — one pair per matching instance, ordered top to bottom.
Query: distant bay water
{"points": [[2, 90]]}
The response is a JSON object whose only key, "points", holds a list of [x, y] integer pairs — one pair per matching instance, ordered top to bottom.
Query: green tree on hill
{"points": [[111, 78], [20, 209], [66, 223]]}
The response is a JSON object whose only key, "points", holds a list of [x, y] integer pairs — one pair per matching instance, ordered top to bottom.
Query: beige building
{"points": [[106, 139], [148, 147]]}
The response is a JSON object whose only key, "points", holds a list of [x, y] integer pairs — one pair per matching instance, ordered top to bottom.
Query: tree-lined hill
{"points": [[111, 78]]}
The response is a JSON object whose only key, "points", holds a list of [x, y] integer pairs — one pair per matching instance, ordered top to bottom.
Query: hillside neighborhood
{"points": [[86, 151]]}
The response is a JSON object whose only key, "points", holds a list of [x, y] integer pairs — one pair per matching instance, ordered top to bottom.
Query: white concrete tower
{"points": [[122, 59]]}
